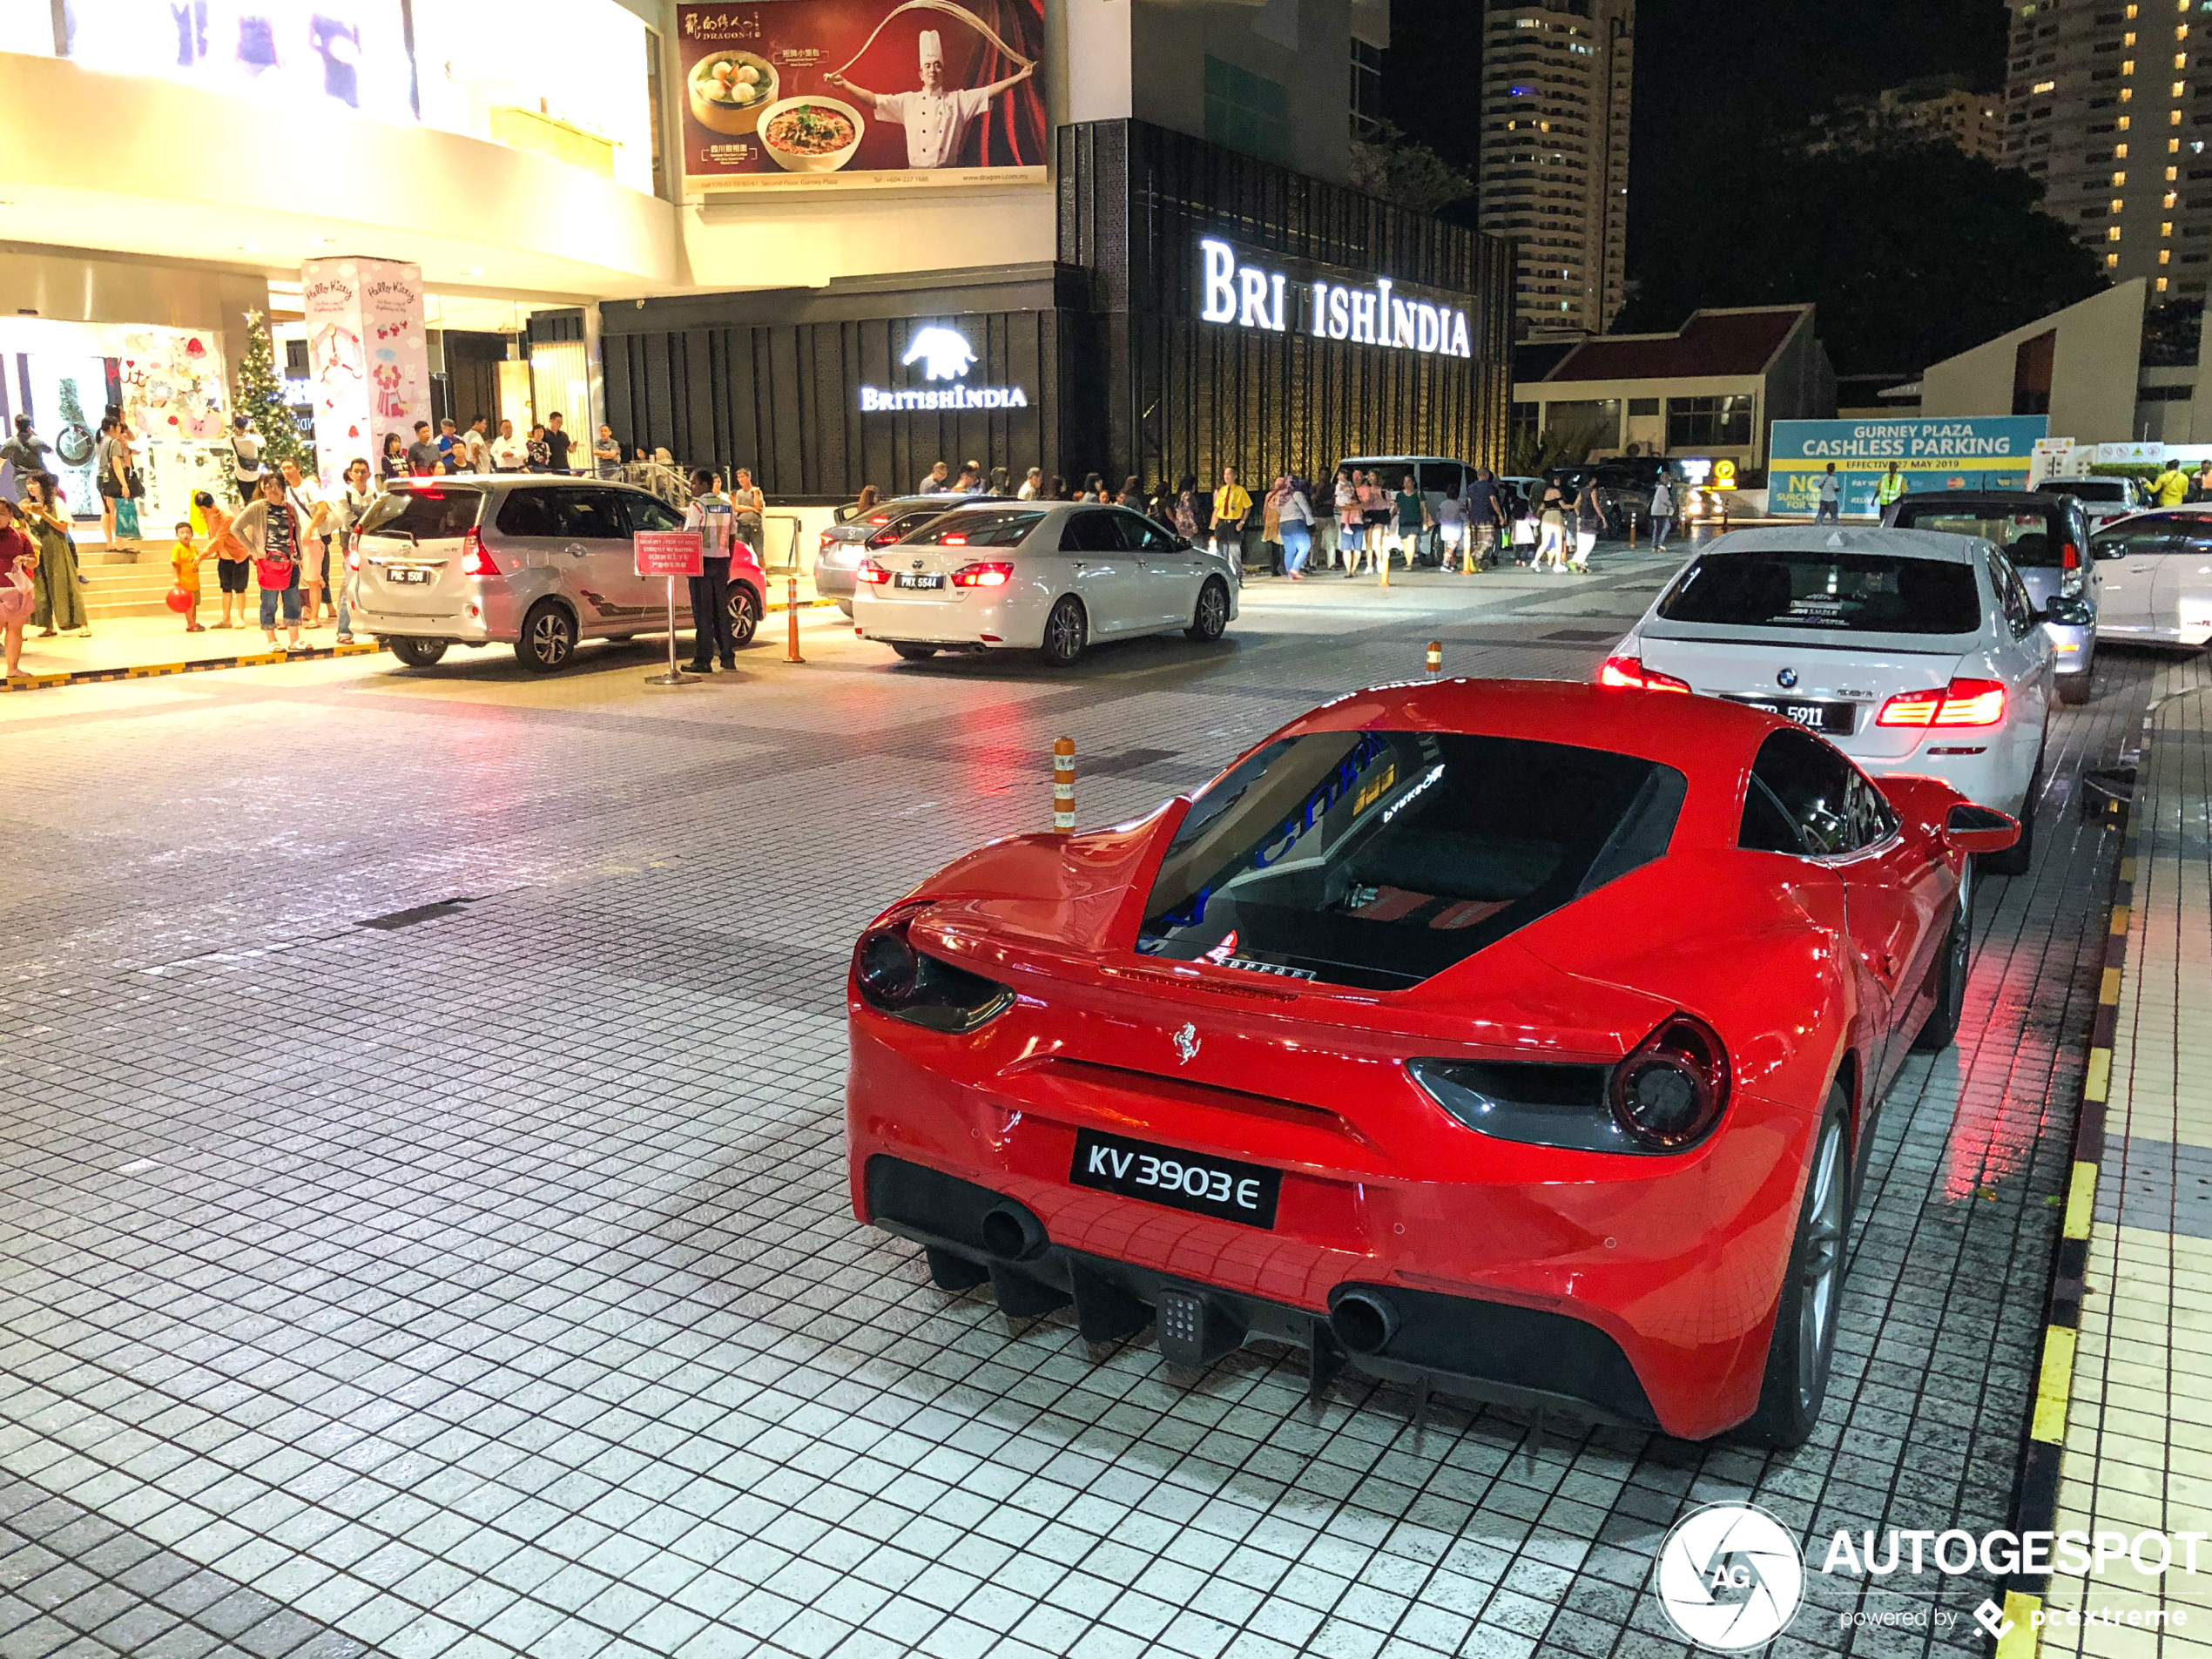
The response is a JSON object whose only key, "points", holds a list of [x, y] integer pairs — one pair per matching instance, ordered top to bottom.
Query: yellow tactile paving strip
{"points": [[2137, 1416]]}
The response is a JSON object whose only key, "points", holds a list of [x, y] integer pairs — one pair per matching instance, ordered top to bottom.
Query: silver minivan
{"points": [[535, 560]]}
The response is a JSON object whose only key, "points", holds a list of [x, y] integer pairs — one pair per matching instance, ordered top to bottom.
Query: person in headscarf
{"points": [[936, 118]]}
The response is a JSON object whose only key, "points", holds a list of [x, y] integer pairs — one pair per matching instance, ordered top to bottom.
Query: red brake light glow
{"points": [[879, 518], [954, 539], [2069, 556], [474, 560], [872, 573], [995, 575], [1629, 673], [1961, 703]]}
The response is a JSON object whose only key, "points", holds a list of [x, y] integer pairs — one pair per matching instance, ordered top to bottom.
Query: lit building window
{"points": [[2127, 40], [2180, 60], [2127, 66], [2045, 86], [2180, 87], [2127, 95], [2173, 118], [2123, 124], [2120, 152], [2172, 174], [2118, 179], [2171, 198], [2116, 206], [2166, 228], [2113, 234], [2166, 256], [2112, 259], [2161, 285]]}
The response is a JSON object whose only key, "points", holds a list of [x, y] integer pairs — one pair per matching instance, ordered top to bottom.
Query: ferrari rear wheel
{"points": [[1942, 1023], [1803, 1347]]}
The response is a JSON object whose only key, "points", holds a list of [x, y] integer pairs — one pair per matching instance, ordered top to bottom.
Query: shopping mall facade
{"points": [[1110, 235]]}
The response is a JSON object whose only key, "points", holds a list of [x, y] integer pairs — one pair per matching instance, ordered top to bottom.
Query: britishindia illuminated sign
{"points": [[1252, 296], [944, 354]]}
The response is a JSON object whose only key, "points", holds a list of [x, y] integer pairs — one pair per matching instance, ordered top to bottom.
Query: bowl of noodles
{"points": [[730, 90], [811, 134]]}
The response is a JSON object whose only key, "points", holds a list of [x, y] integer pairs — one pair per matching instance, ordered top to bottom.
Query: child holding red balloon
{"points": [[185, 558]]}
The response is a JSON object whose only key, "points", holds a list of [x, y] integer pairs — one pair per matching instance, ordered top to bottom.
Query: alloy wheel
{"points": [[1213, 611], [549, 639], [1821, 1272]]}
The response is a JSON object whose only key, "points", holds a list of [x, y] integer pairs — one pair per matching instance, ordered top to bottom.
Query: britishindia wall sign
{"points": [[1242, 291], [1956, 452]]}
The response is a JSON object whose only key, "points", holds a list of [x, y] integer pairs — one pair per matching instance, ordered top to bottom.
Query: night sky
{"points": [[1711, 76]]}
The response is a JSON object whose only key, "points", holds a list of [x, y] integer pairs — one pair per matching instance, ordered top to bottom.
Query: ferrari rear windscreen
{"points": [[1881, 593], [1376, 859]]}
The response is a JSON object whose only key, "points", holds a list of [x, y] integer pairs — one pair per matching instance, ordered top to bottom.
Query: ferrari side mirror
{"points": [[1969, 829]]}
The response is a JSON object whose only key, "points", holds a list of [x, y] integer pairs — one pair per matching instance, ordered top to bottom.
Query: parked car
{"points": [[2102, 499], [2044, 536], [849, 541], [537, 561], [2157, 570], [1054, 577], [1909, 651], [1520, 1039]]}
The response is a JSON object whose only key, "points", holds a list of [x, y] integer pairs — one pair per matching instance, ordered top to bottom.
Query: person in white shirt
{"points": [[936, 118], [476, 443], [508, 452], [1030, 485], [713, 518]]}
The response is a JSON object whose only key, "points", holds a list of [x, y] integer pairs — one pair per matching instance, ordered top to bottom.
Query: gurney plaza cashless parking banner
{"points": [[1958, 452]]}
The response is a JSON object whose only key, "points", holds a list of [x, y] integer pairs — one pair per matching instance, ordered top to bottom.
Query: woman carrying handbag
{"points": [[274, 536], [18, 564]]}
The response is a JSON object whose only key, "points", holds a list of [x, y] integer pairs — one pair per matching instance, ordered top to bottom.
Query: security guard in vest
{"points": [[1889, 489]]}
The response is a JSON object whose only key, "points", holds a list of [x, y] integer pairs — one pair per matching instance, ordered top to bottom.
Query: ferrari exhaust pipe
{"points": [[1012, 1234], [1363, 1321]]}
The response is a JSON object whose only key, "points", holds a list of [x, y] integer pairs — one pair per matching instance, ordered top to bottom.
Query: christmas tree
{"points": [[260, 399]]}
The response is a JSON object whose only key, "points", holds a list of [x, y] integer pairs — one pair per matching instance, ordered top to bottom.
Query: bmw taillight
{"points": [[474, 560], [872, 573], [995, 574], [1629, 673], [1963, 702], [895, 978], [1672, 1087]]}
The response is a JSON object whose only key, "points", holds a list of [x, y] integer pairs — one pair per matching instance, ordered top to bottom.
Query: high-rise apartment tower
{"points": [[2110, 106], [1555, 161]]}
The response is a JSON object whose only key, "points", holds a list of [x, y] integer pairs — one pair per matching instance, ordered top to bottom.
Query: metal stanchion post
{"points": [[791, 611], [1435, 655], [675, 675], [1064, 786]]}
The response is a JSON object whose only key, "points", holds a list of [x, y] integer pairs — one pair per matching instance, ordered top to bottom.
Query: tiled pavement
{"points": [[484, 1282], [2139, 1425]]}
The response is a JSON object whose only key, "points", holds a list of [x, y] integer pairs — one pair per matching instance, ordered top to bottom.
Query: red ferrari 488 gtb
{"points": [[1519, 1039]]}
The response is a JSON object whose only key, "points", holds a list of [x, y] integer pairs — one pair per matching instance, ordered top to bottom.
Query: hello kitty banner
{"points": [[368, 358]]}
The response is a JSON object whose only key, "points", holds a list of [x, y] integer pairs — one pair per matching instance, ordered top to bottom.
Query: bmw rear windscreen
{"points": [[1874, 593], [1376, 859]]}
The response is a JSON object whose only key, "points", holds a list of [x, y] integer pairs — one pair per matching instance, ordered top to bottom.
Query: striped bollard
{"points": [[791, 609], [1435, 655], [1064, 786]]}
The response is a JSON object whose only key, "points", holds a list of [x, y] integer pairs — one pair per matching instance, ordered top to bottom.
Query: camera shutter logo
{"points": [[1731, 1577]]}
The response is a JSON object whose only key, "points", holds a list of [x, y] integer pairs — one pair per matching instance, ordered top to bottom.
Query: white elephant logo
{"points": [[947, 354]]}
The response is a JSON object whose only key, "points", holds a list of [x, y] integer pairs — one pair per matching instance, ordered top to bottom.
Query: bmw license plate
{"points": [[419, 576], [908, 579], [1829, 719], [1208, 1186]]}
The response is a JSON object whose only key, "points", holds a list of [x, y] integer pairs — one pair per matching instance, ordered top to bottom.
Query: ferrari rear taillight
{"points": [[474, 560], [872, 573], [994, 574], [1629, 673], [1961, 703], [895, 978], [1672, 1086]]}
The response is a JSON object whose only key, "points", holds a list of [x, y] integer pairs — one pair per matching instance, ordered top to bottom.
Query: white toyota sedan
{"points": [[1048, 576], [1911, 650]]}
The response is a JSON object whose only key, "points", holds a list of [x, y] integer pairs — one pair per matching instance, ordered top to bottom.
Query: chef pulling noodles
{"points": [[936, 116]]}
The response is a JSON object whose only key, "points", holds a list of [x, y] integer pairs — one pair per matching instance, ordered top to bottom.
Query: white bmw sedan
{"points": [[1048, 576], [1911, 650]]}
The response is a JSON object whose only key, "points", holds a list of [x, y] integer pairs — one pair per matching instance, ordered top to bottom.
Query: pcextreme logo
{"points": [[1730, 1576]]}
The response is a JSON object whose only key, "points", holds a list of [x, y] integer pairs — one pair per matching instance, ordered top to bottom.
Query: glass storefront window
{"points": [[1708, 422]]}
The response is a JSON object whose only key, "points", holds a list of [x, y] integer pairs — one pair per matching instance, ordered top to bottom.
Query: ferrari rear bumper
{"points": [[1528, 1358]]}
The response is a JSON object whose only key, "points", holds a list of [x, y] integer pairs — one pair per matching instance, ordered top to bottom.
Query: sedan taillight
{"points": [[872, 573], [994, 574], [1629, 673], [1963, 702], [894, 978]]}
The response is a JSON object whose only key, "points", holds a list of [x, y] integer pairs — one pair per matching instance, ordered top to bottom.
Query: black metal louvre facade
{"points": [[1119, 373], [1186, 395]]}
